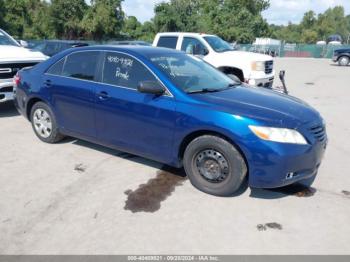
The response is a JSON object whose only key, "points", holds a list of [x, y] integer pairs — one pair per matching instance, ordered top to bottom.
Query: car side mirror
{"points": [[23, 43], [151, 87]]}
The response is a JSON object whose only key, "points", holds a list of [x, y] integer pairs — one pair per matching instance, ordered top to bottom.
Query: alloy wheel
{"points": [[42, 123]]}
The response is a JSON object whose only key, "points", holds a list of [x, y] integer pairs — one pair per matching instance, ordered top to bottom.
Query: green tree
{"points": [[2, 14], [176, 15], [65, 18], [103, 20], [239, 20], [315, 27], [132, 28]]}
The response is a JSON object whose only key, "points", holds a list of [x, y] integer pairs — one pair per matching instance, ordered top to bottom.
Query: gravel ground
{"points": [[79, 198]]}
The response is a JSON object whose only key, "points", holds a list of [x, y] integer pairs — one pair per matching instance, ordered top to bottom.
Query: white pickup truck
{"points": [[13, 57], [254, 69]]}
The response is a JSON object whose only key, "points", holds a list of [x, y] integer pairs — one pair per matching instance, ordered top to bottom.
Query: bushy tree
{"points": [[65, 17], [231, 19], [103, 20], [315, 27]]}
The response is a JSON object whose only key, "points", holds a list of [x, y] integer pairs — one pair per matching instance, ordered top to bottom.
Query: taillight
{"points": [[17, 79]]}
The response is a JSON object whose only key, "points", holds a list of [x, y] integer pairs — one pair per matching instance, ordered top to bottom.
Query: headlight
{"points": [[258, 66], [281, 135]]}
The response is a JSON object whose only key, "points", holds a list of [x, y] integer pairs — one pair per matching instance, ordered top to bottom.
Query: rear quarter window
{"points": [[167, 41], [56, 69]]}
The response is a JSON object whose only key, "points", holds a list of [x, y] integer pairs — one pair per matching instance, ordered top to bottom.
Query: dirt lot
{"points": [[79, 198]]}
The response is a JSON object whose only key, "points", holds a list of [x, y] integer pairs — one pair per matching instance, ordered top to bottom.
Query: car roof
{"points": [[183, 34], [64, 41], [132, 49]]}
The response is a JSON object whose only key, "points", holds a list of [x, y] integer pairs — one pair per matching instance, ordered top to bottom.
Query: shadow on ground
{"points": [[8, 109], [297, 190], [149, 195]]}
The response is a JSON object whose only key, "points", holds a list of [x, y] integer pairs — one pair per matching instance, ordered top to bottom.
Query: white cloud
{"points": [[142, 9], [280, 12]]}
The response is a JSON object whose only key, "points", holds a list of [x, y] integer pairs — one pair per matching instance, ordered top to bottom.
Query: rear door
{"points": [[168, 41], [71, 83], [127, 119]]}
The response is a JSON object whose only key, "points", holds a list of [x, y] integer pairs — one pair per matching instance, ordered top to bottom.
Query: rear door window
{"points": [[167, 41], [81, 65], [124, 71]]}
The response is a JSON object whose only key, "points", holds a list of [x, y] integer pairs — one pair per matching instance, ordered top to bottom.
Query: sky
{"points": [[279, 13]]}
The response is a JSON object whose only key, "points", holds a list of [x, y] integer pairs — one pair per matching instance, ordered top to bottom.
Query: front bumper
{"points": [[263, 82], [5, 94], [274, 165]]}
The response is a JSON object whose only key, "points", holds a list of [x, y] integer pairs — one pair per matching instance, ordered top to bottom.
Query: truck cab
{"points": [[254, 69]]}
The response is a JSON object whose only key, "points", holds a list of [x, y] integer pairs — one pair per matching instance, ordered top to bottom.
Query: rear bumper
{"points": [[5, 94]]}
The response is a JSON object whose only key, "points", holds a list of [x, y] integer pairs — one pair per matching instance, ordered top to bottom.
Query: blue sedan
{"points": [[176, 109]]}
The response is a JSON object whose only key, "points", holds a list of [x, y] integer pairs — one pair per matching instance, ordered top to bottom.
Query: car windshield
{"points": [[6, 39], [218, 44], [191, 74]]}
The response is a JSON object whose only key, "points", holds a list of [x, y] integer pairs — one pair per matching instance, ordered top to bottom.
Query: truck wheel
{"points": [[343, 61], [44, 123], [214, 165]]}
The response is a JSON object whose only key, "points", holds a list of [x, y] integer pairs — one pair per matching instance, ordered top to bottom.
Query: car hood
{"points": [[19, 54], [246, 56], [260, 104]]}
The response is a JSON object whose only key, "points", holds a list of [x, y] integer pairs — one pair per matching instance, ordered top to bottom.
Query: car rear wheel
{"points": [[343, 61], [44, 123], [214, 165]]}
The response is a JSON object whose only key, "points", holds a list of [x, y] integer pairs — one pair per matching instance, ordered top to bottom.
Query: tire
{"points": [[343, 60], [44, 123], [214, 166]]}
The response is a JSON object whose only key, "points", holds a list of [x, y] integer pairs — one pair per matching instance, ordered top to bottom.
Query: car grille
{"points": [[268, 67], [10, 70], [7, 89], [319, 132]]}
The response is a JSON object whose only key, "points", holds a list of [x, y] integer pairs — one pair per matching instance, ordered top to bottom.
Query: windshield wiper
{"points": [[233, 84], [205, 90], [213, 90]]}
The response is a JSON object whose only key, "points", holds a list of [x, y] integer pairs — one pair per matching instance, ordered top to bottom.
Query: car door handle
{"points": [[47, 83], [103, 95]]}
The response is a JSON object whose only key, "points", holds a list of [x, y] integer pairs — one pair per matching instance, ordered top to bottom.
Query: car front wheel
{"points": [[343, 61], [44, 123], [214, 166]]}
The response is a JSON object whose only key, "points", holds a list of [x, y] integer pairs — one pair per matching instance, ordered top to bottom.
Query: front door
{"points": [[127, 119]]}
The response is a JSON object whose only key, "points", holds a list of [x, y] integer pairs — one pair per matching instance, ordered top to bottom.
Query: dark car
{"points": [[52, 47], [342, 56], [174, 108]]}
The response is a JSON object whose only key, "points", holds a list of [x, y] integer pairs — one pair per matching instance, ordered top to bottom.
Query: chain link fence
{"points": [[284, 50], [293, 50]]}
